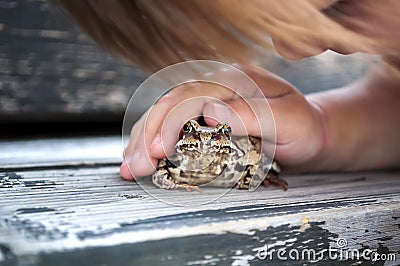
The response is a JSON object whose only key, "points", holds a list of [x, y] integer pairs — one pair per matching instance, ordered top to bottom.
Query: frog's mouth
{"points": [[208, 147]]}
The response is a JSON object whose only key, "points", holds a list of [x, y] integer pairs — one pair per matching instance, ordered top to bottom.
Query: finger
{"points": [[270, 84], [286, 102], [167, 116], [245, 116], [165, 120], [275, 123], [160, 127], [156, 133], [133, 137], [129, 149], [139, 156], [137, 162], [140, 163], [125, 172]]}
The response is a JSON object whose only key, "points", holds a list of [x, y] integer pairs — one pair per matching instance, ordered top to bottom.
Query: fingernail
{"points": [[222, 112], [125, 171]]}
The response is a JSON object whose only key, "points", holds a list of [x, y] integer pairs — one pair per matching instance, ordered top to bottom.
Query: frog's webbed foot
{"points": [[162, 179], [274, 179]]}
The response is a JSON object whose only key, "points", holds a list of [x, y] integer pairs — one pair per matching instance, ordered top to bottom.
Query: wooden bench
{"points": [[73, 209]]}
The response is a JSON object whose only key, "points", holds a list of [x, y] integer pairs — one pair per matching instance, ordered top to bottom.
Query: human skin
{"points": [[351, 128]]}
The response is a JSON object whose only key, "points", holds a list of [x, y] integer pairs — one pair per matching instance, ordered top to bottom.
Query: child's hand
{"points": [[300, 128]]}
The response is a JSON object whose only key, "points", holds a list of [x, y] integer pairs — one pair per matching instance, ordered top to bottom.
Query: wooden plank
{"points": [[50, 71], [60, 152], [76, 214]]}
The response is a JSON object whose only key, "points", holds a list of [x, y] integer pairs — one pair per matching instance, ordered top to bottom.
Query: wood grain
{"points": [[80, 213]]}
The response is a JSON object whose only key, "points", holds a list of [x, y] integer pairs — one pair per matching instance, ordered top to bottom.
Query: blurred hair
{"points": [[157, 33]]}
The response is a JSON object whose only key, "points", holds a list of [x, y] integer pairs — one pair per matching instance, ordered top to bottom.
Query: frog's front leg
{"points": [[266, 172], [251, 176], [272, 177], [162, 178]]}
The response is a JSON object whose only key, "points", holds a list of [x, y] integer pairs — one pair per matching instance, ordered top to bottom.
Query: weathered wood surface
{"points": [[50, 71], [60, 152], [87, 215]]}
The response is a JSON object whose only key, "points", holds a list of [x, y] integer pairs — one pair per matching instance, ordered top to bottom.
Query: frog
{"points": [[210, 155]]}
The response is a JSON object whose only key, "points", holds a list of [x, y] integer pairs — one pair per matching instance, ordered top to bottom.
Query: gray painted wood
{"points": [[50, 71], [60, 151], [89, 216]]}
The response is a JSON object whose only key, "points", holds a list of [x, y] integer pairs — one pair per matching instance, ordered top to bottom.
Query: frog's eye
{"points": [[187, 128], [224, 128], [227, 130]]}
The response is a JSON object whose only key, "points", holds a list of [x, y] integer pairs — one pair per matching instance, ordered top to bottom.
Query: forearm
{"points": [[362, 124]]}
